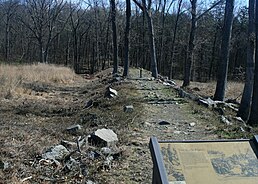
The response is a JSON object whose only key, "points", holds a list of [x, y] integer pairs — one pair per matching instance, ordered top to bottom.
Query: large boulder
{"points": [[106, 137], [56, 153]]}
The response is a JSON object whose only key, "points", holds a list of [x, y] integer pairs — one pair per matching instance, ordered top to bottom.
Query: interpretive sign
{"points": [[205, 162]]}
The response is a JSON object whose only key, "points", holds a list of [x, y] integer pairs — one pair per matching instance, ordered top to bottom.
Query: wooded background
{"points": [[79, 34]]}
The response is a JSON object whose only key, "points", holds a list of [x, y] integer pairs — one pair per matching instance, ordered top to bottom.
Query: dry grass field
{"points": [[13, 77]]}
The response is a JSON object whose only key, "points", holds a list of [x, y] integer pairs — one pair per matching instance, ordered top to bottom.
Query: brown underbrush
{"points": [[13, 78], [234, 89]]}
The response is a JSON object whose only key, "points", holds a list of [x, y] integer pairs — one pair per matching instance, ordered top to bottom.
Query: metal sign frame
{"points": [[159, 175]]}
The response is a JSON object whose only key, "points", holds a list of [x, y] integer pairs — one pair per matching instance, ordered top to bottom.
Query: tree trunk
{"points": [[127, 33], [7, 37], [174, 40], [106, 49], [115, 50], [213, 54], [224, 55], [41, 56], [161, 57], [189, 61], [153, 64], [154, 69], [245, 105], [253, 119]]}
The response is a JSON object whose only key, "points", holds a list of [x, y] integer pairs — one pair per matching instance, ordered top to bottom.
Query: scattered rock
{"points": [[117, 79], [171, 82], [166, 84], [111, 93], [184, 94], [207, 102], [89, 104], [128, 108], [239, 119], [225, 120], [164, 123], [147, 124], [192, 124], [74, 129], [242, 129], [177, 132], [104, 136], [81, 141], [69, 145], [73, 145], [106, 151], [56, 153], [93, 155], [107, 163], [71, 164], [4, 165], [90, 182]]}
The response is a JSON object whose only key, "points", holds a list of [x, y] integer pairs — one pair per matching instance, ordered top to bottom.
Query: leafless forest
{"points": [[79, 34]]}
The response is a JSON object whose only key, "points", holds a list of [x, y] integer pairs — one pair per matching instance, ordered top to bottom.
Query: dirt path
{"points": [[165, 115], [32, 123]]}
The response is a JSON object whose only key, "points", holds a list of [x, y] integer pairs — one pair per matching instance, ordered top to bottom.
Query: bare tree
{"points": [[9, 8], [146, 8], [44, 15], [79, 28], [127, 33], [174, 39], [115, 49], [224, 53], [189, 61], [244, 109], [253, 119]]}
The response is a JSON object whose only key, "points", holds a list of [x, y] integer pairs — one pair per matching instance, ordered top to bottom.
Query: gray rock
{"points": [[117, 79], [111, 93], [207, 102], [89, 104], [128, 108], [239, 119], [225, 120], [147, 124], [192, 124], [74, 129], [242, 129], [177, 132], [104, 137], [69, 145], [73, 145], [106, 151], [56, 153], [93, 155], [107, 163], [72, 164], [4, 165], [90, 182]]}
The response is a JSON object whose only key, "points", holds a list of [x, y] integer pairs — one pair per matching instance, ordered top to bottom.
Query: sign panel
{"points": [[221, 162]]}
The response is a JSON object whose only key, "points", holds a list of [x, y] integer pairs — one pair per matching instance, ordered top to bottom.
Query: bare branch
{"points": [[138, 4], [206, 11]]}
